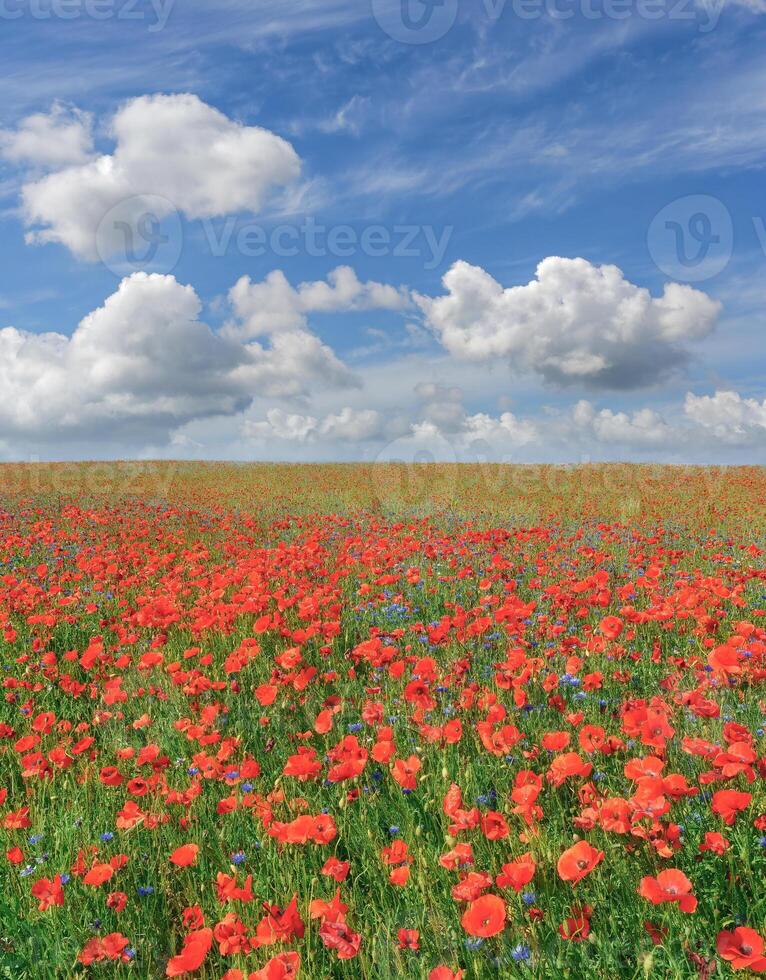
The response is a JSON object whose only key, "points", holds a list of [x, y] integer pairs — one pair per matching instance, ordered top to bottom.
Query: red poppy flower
{"points": [[611, 627], [405, 770], [727, 803], [715, 842], [184, 855], [578, 861], [338, 870], [98, 874], [517, 874], [400, 876], [671, 885], [48, 892], [116, 901], [484, 917], [577, 927], [656, 933], [340, 937], [408, 939], [110, 947], [742, 948], [195, 949], [283, 966]]}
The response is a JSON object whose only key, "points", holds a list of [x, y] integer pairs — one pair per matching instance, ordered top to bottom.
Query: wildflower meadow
{"points": [[384, 721]]}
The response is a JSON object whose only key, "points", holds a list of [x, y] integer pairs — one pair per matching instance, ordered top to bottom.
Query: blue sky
{"points": [[491, 139]]}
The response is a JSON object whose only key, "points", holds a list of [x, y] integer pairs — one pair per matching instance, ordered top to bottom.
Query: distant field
{"points": [[612, 491], [272, 721]]}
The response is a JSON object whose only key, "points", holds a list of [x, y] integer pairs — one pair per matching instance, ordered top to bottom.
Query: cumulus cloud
{"points": [[57, 138], [172, 153], [273, 305], [573, 323], [143, 357], [144, 364], [291, 364], [441, 406], [444, 414], [728, 416], [278, 424], [703, 424], [348, 425], [583, 426], [643, 428], [506, 429]]}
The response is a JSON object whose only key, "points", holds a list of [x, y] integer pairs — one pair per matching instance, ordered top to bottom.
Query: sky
{"points": [[510, 230]]}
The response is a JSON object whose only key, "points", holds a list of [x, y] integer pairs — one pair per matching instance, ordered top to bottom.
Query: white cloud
{"points": [[55, 139], [168, 148], [208, 165], [68, 206], [273, 305], [574, 323], [143, 359], [292, 363], [144, 364], [442, 406], [443, 416], [728, 416], [281, 425], [348, 425], [351, 425], [643, 428], [508, 429]]}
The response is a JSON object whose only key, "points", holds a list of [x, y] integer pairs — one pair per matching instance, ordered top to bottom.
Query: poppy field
{"points": [[343, 721]]}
